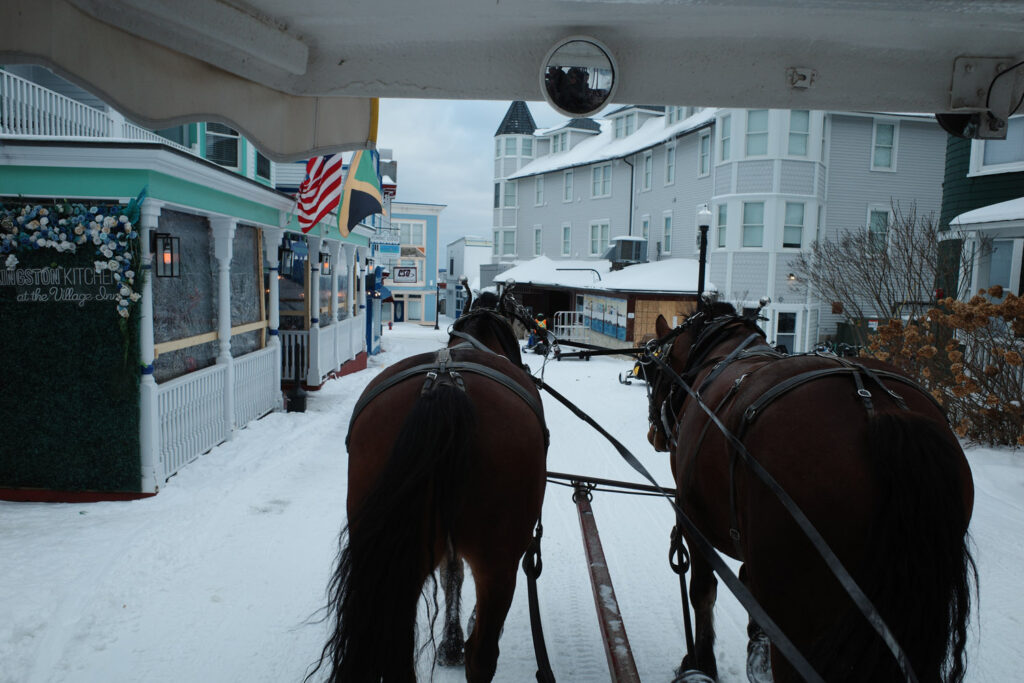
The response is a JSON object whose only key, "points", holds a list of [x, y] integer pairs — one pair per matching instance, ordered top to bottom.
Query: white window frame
{"points": [[630, 124], [620, 126], [757, 134], [805, 135], [237, 137], [725, 138], [514, 145], [522, 147], [497, 148], [703, 154], [670, 164], [977, 165], [891, 168], [647, 171], [601, 181], [567, 190], [538, 191], [497, 195], [510, 197], [879, 208], [787, 224], [744, 225], [645, 226], [721, 226], [666, 232], [504, 234], [603, 236], [566, 239], [538, 240], [496, 245], [798, 342]]}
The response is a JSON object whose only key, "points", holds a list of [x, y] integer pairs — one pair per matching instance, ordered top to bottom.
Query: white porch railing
{"points": [[27, 109], [338, 343], [255, 393], [190, 411]]}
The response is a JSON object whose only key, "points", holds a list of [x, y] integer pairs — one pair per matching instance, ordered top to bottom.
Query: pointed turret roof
{"points": [[517, 121]]}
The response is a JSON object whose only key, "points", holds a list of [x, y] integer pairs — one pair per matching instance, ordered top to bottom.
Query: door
{"points": [[399, 311]]}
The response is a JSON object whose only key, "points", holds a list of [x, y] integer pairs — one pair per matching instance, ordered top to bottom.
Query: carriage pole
{"points": [[703, 224], [616, 644]]}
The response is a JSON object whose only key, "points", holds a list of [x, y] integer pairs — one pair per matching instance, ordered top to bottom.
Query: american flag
{"points": [[320, 192]]}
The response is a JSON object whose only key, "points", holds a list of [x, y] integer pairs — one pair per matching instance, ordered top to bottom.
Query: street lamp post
{"points": [[437, 303]]}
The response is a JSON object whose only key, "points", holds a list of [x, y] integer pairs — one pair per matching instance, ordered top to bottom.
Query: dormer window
{"points": [[625, 125], [559, 142]]}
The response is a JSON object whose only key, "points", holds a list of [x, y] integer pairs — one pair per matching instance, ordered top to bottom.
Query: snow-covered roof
{"points": [[605, 146], [1005, 219], [677, 276]]}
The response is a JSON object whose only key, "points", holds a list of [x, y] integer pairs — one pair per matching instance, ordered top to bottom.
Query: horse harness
{"points": [[446, 370], [861, 375]]}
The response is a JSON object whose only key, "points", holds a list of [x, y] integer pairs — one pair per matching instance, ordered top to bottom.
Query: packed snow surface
{"points": [[220, 577]]}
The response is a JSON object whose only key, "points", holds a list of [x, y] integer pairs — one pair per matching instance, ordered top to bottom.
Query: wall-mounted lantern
{"points": [[166, 255]]}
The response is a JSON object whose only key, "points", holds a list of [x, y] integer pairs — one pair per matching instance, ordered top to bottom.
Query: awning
{"points": [[157, 87], [1004, 220], [386, 295]]}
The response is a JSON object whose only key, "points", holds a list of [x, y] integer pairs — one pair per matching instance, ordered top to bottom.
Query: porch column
{"points": [[223, 235], [271, 242], [334, 247], [351, 267], [313, 367], [149, 412]]}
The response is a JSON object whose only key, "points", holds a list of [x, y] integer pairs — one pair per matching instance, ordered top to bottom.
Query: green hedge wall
{"points": [[70, 399]]}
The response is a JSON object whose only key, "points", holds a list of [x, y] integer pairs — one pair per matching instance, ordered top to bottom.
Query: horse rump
{"points": [[395, 539], [919, 572]]}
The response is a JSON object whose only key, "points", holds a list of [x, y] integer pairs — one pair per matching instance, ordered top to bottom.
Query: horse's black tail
{"points": [[391, 542], [920, 572]]}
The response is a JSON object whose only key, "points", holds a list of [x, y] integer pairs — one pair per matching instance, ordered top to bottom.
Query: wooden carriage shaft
{"points": [[613, 630]]}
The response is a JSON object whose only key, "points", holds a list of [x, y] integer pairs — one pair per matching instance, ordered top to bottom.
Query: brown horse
{"points": [[869, 458], [454, 481]]}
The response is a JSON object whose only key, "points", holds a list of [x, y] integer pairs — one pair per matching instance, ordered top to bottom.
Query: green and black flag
{"points": [[360, 195]]}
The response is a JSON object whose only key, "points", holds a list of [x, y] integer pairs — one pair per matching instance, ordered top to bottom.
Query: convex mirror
{"points": [[577, 76]]}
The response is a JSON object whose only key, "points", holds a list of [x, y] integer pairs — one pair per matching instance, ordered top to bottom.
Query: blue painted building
{"points": [[412, 276]]}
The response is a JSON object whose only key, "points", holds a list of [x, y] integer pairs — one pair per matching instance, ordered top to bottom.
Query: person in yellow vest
{"points": [[540, 322]]}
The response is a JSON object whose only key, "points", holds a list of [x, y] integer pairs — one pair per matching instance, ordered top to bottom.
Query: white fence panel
{"points": [[328, 352], [294, 355], [255, 393], [191, 414]]}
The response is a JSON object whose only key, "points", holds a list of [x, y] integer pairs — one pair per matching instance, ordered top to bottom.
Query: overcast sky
{"points": [[445, 154]]}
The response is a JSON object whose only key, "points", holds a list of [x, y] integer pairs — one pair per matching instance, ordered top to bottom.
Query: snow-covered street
{"points": [[220, 577]]}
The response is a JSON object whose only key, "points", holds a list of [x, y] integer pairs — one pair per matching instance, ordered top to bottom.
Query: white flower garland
{"points": [[66, 227]]}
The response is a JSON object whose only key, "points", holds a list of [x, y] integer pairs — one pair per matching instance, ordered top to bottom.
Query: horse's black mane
{"points": [[484, 315]]}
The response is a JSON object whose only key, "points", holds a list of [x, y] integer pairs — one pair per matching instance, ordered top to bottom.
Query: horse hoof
{"points": [[759, 658], [693, 676]]}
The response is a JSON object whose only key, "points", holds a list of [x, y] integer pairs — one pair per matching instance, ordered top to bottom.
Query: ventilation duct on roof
{"points": [[626, 251]]}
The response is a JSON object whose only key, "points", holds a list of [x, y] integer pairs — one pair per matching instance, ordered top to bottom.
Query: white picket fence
{"points": [[27, 109], [569, 326], [337, 344], [255, 392], [190, 410]]}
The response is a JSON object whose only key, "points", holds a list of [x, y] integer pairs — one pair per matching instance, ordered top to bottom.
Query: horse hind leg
{"points": [[494, 590], [703, 592], [451, 650]]}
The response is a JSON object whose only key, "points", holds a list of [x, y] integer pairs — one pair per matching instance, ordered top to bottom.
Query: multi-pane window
{"points": [[673, 114], [630, 124], [620, 126], [799, 131], [757, 132], [725, 137], [559, 142], [222, 144], [510, 147], [527, 147], [497, 148], [704, 155], [883, 155], [1002, 155], [670, 165], [648, 170], [601, 180], [567, 186], [538, 190], [510, 193], [497, 195], [723, 216], [753, 224], [645, 227], [878, 227], [793, 228], [411, 232], [538, 234], [598, 237], [566, 239], [508, 242], [666, 242], [496, 245]]}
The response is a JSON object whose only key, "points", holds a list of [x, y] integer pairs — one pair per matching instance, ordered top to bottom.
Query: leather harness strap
{"points": [[443, 365]]}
